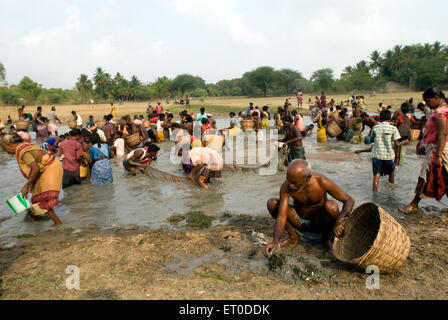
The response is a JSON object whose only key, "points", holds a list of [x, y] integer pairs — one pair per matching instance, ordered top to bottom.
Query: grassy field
{"points": [[216, 105]]}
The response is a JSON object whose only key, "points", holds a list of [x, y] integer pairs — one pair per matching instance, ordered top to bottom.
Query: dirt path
{"points": [[220, 262]]}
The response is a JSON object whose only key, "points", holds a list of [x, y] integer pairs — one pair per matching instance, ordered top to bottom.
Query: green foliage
{"points": [[416, 66], [2, 72], [261, 78], [322, 79], [101, 80], [288, 80], [184, 82], [84, 86], [161, 87], [30, 88], [199, 92], [11, 95]]}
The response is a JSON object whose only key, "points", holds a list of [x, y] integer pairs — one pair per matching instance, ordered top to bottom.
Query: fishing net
{"points": [[164, 176]]}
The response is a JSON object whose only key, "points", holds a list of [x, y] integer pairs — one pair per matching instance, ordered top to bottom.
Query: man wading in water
{"points": [[293, 139], [309, 191]]}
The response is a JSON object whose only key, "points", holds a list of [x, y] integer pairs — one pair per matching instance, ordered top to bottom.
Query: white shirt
{"points": [[78, 120], [159, 125], [101, 134], [214, 142], [119, 145], [131, 154], [207, 156]]}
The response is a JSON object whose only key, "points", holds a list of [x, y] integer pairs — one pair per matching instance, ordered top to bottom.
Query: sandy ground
{"points": [[217, 105], [219, 262]]}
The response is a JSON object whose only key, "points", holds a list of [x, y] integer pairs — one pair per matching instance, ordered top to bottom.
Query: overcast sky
{"points": [[54, 41]]}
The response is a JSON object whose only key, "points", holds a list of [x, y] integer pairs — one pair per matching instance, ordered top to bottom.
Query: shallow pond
{"points": [[140, 200]]}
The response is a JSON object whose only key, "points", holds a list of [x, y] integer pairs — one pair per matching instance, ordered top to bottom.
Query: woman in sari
{"points": [[300, 98], [265, 117], [321, 121], [403, 123], [42, 129], [233, 129], [99, 155], [84, 169], [43, 172], [433, 179]]}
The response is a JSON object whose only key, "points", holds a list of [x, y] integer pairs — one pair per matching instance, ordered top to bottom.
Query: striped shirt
{"points": [[384, 135]]}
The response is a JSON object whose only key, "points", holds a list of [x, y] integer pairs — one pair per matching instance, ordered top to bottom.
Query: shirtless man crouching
{"points": [[309, 191]]}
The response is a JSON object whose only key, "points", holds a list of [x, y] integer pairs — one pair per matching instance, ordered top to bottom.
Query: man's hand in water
{"points": [[339, 228], [270, 249]]}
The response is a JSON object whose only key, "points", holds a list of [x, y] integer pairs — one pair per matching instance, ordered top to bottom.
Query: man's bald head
{"points": [[299, 168]]}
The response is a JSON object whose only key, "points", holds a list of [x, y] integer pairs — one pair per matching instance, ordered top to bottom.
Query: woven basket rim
{"points": [[331, 128], [132, 139], [354, 212], [385, 220]]}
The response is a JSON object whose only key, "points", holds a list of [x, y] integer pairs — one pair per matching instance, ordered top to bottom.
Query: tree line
{"points": [[415, 66]]}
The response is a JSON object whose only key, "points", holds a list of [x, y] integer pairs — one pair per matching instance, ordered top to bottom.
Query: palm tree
{"points": [[437, 47], [397, 58], [376, 61], [362, 66], [347, 71], [101, 78], [118, 78], [84, 85], [133, 85]]}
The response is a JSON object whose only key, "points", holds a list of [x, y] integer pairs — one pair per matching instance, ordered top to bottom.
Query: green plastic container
{"points": [[18, 204]]}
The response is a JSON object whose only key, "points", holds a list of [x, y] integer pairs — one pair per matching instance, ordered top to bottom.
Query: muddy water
{"points": [[142, 201]]}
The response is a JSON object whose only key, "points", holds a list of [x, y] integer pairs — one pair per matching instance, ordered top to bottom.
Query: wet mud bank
{"points": [[202, 257]]}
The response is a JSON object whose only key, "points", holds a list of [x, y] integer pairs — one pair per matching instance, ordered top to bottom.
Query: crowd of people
{"points": [[87, 149]]}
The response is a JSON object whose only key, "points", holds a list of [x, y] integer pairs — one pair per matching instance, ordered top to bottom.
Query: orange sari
{"points": [[46, 188]]}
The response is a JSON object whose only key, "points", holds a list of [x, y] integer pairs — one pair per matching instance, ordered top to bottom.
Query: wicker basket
{"points": [[72, 124], [100, 124], [146, 124], [357, 124], [22, 125], [247, 125], [333, 129], [415, 133], [133, 140], [373, 237]]}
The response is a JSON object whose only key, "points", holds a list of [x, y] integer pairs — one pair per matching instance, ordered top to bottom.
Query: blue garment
{"points": [[248, 111], [199, 117], [89, 123], [367, 140], [51, 141], [48, 145], [383, 167], [101, 170]]}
